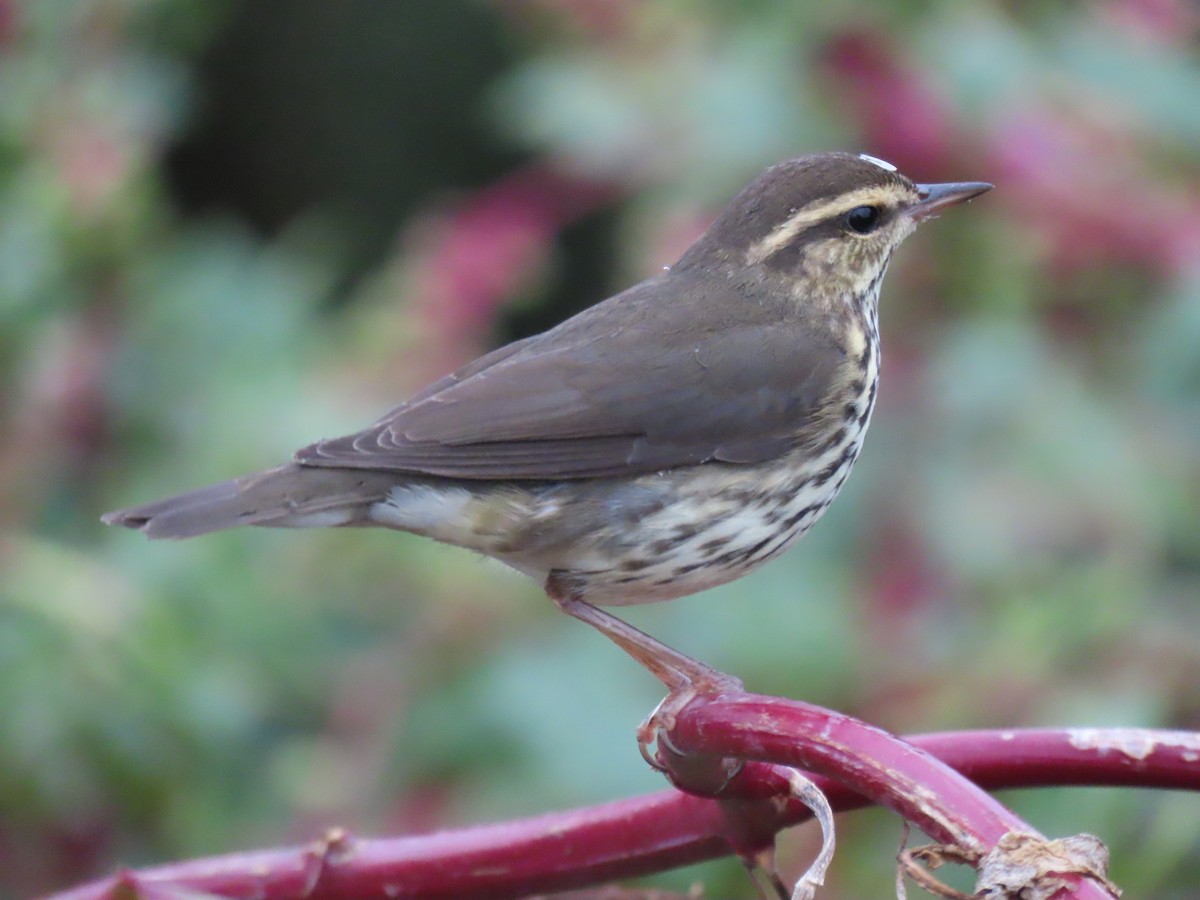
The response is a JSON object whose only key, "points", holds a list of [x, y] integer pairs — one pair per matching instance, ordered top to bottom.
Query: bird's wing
{"points": [[624, 391]]}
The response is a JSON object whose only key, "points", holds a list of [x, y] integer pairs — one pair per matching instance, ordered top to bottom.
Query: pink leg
{"points": [[684, 677]]}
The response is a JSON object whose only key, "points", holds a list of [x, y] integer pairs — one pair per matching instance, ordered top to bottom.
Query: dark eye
{"points": [[862, 219]]}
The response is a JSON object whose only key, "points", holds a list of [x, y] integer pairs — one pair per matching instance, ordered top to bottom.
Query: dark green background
{"points": [[227, 229]]}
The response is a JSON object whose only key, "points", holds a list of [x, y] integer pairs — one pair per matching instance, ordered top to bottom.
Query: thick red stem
{"points": [[640, 835]]}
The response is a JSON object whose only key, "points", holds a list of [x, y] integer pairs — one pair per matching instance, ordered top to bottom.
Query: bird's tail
{"points": [[290, 496]]}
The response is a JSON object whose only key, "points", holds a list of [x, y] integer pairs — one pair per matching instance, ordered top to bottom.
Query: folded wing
{"points": [[622, 390]]}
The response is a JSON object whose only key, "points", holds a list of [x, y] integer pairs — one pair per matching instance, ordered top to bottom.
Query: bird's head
{"points": [[824, 224]]}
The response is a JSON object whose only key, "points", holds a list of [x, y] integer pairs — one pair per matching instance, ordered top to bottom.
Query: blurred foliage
{"points": [[229, 228]]}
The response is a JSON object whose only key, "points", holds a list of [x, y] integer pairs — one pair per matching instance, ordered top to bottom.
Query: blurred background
{"points": [[230, 228]]}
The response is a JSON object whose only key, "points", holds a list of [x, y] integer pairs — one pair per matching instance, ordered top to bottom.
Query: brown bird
{"points": [[669, 439]]}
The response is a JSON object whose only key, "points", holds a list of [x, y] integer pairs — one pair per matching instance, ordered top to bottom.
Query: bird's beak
{"points": [[936, 197]]}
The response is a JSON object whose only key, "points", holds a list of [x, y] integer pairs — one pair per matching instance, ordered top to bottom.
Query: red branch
{"points": [[641, 835]]}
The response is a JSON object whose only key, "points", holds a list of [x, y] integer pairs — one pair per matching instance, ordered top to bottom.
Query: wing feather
{"points": [[624, 388]]}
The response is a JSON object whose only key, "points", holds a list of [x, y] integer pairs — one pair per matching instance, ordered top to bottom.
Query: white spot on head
{"points": [[876, 161]]}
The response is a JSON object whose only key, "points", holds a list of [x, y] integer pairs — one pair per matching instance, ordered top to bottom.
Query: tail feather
{"points": [[290, 496]]}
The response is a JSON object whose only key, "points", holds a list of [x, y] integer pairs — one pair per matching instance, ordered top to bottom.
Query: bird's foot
{"points": [[697, 682]]}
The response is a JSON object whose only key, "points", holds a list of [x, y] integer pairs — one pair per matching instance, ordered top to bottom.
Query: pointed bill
{"points": [[936, 197]]}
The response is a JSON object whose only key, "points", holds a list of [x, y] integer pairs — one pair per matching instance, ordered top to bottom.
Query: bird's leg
{"points": [[675, 670], [684, 677]]}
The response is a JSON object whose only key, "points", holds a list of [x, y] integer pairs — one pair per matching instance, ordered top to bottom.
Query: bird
{"points": [[671, 438]]}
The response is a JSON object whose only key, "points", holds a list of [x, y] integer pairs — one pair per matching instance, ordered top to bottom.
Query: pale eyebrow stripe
{"points": [[812, 214]]}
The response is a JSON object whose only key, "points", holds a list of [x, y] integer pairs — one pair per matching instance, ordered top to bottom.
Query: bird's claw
{"points": [[654, 734]]}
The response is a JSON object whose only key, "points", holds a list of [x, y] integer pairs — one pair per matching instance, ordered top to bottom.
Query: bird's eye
{"points": [[862, 219]]}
